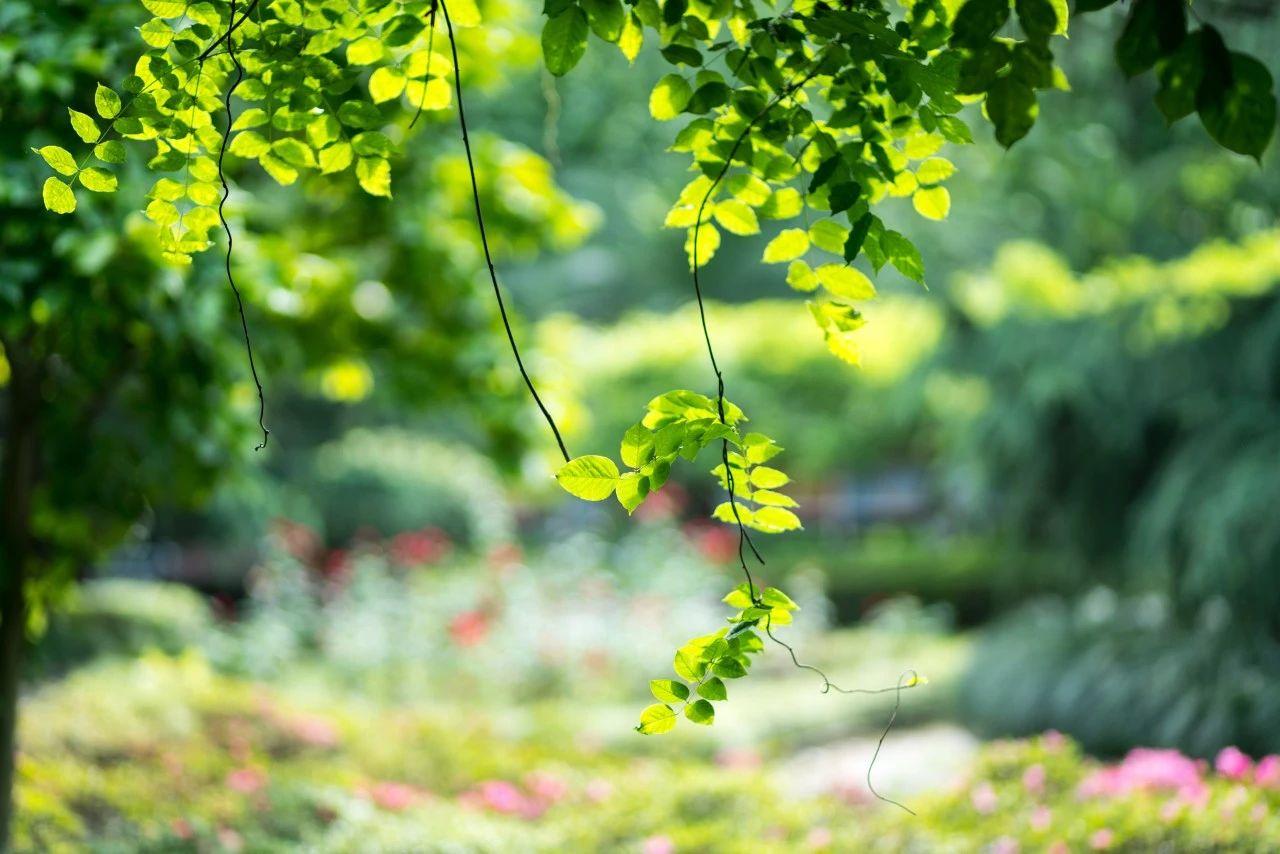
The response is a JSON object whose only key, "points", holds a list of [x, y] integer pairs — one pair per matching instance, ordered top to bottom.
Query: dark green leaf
{"points": [[564, 40]]}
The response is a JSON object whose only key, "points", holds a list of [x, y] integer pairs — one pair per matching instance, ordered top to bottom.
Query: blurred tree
{"points": [[123, 377]]}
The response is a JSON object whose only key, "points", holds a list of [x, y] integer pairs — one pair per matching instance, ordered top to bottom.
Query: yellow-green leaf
{"points": [[632, 38], [365, 51], [386, 83], [434, 94], [669, 98], [106, 102], [84, 126], [58, 158], [335, 158], [935, 170], [374, 175], [97, 180], [58, 196], [934, 203], [737, 217], [708, 243], [790, 244], [801, 277], [846, 282], [591, 477], [658, 718]]}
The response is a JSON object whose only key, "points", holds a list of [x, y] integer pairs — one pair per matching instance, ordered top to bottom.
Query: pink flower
{"points": [[313, 731], [1053, 740], [740, 758], [1233, 764], [1145, 769], [1267, 773], [1033, 779], [246, 781], [546, 787], [599, 790], [395, 797], [503, 797], [984, 798], [1258, 813], [1041, 817], [182, 828], [819, 837], [230, 840], [1101, 840], [658, 845], [1005, 845], [1058, 847]]}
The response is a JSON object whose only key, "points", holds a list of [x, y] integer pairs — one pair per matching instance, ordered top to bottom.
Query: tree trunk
{"points": [[17, 470]]}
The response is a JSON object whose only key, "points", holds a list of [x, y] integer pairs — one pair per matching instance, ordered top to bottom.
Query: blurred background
{"points": [[1051, 487]]}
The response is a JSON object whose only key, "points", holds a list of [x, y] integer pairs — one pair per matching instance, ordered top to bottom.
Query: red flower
{"points": [[415, 548], [469, 628]]}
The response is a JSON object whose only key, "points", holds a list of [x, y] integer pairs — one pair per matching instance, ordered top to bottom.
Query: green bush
{"points": [[119, 618], [1115, 672]]}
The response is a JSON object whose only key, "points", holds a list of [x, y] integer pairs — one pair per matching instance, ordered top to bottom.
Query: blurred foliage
{"points": [[100, 337], [1133, 436], [118, 618], [1115, 672], [186, 759]]}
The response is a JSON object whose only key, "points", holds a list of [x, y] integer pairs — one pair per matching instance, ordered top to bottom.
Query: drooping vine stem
{"points": [[226, 192], [484, 240], [908, 679]]}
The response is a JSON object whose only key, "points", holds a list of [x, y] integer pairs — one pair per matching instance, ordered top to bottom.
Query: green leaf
{"points": [[606, 18], [1038, 18], [978, 21], [1154, 29], [564, 40], [365, 51], [1180, 76], [386, 83], [669, 97], [106, 102], [1011, 106], [359, 114], [1243, 118], [84, 126], [249, 143], [111, 151], [295, 152], [58, 158], [335, 158], [935, 170], [374, 175], [97, 180], [58, 196], [932, 203], [737, 217], [829, 235], [790, 244], [903, 255], [801, 277], [847, 282], [637, 445], [760, 448], [590, 477], [768, 478], [632, 490], [773, 499], [775, 520], [775, 598], [688, 664], [729, 668], [713, 689], [668, 690], [701, 712], [656, 719]]}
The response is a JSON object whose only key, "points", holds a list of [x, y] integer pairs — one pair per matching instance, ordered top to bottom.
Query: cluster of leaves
{"points": [[323, 78], [1231, 91], [831, 108], [678, 424], [705, 662]]}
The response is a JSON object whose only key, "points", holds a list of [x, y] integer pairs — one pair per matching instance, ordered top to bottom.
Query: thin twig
{"points": [[232, 26], [226, 226], [484, 240]]}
